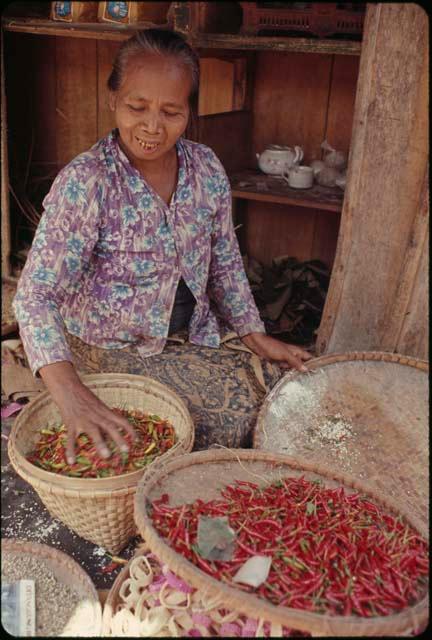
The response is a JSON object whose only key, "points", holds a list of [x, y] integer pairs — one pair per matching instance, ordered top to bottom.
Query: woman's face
{"points": [[151, 107]]}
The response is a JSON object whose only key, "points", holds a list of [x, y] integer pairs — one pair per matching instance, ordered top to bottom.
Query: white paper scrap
{"points": [[254, 571], [18, 607]]}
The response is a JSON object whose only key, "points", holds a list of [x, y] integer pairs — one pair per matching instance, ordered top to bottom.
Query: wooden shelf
{"points": [[94, 30], [104, 31], [274, 43], [254, 185]]}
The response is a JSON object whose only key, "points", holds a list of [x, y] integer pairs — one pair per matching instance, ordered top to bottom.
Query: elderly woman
{"points": [[136, 244]]}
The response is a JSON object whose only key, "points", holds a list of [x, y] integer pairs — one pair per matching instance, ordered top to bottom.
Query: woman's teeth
{"points": [[147, 146]]}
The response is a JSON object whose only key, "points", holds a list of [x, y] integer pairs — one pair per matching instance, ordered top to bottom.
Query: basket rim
{"points": [[322, 361], [98, 487], [62, 560], [248, 603]]}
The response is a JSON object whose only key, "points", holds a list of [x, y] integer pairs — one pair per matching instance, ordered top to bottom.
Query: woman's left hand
{"points": [[271, 349]]}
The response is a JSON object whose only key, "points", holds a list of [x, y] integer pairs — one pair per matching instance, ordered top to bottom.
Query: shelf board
{"points": [[94, 30], [106, 31], [272, 43], [254, 185]]}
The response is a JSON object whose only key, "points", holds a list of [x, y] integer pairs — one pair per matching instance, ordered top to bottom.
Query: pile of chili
{"points": [[154, 436], [332, 551]]}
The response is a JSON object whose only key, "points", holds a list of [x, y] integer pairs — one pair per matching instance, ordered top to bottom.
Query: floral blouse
{"points": [[108, 254]]}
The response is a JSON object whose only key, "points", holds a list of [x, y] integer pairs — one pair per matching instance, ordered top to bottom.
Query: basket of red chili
{"points": [[95, 497], [311, 550]]}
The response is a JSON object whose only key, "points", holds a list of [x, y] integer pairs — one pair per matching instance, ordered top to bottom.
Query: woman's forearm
{"points": [[60, 378]]}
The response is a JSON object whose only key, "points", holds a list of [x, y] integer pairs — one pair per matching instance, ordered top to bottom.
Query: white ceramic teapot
{"points": [[277, 159]]}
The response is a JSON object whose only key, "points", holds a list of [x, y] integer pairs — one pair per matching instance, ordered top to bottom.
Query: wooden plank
{"points": [[182, 24], [88, 30], [271, 43], [106, 52], [18, 57], [240, 83], [216, 86], [44, 99], [290, 101], [341, 102], [76, 121], [228, 134], [388, 162], [254, 185], [296, 201], [5, 209], [272, 230], [326, 232], [405, 323], [414, 335]]}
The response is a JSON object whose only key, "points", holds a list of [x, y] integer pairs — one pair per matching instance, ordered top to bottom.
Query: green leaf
{"points": [[310, 508]]}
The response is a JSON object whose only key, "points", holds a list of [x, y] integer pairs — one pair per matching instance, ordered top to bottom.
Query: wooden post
{"points": [[5, 208], [377, 298]]}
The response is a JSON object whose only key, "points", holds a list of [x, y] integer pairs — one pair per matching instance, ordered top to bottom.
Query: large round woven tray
{"points": [[382, 399], [202, 475], [98, 509], [68, 572]]}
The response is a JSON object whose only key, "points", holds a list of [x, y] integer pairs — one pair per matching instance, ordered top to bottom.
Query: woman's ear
{"points": [[112, 100]]}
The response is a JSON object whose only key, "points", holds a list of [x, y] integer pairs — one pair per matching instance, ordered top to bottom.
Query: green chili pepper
{"points": [[140, 463], [58, 465], [103, 473]]}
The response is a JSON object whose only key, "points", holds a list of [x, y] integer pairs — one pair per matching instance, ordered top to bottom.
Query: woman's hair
{"points": [[161, 42]]}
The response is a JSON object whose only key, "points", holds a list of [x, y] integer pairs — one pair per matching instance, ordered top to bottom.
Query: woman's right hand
{"points": [[82, 411]]}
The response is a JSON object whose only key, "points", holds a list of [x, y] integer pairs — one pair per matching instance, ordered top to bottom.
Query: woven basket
{"points": [[384, 437], [202, 475], [98, 509], [67, 571]]}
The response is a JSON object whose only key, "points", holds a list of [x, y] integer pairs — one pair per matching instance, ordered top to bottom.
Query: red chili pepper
{"points": [[336, 562], [109, 568]]}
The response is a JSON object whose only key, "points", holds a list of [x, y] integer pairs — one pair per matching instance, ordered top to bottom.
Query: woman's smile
{"points": [[148, 147]]}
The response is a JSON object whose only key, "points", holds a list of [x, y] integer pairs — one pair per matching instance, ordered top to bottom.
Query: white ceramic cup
{"points": [[299, 177]]}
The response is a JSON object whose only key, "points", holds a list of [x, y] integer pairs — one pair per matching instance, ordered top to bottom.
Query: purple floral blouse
{"points": [[108, 254]]}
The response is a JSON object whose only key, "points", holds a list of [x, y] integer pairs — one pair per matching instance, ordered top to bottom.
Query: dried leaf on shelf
{"points": [[290, 296]]}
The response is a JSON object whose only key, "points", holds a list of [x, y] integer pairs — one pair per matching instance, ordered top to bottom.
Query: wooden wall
{"points": [[62, 96], [283, 98], [294, 99], [299, 99], [378, 296]]}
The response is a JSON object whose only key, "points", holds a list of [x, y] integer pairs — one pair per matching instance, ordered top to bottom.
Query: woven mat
{"points": [[367, 417]]}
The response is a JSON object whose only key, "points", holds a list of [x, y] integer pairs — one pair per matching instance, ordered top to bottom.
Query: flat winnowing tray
{"points": [[365, 413], [202, 475]]}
